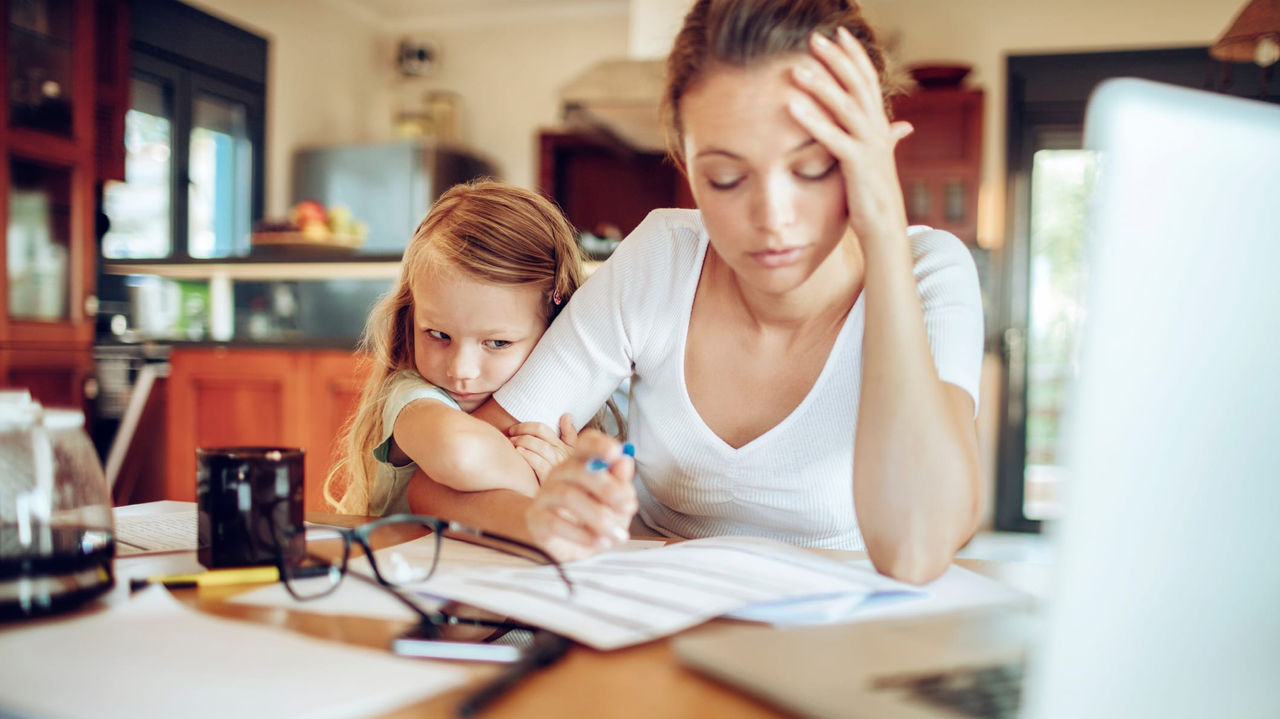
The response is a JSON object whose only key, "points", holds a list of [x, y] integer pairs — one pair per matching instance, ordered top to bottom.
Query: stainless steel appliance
{"points": [[387, 185]]}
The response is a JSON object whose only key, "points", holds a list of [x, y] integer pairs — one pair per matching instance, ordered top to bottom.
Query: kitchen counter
{"points": [[354, 267], [162, 347]]}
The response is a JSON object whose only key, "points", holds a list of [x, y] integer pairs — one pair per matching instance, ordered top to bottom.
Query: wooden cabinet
{"points": [[111, 86], [50, 145], [940, 164], [601, 183], [55, 378], [334, 381], [228, 397]]}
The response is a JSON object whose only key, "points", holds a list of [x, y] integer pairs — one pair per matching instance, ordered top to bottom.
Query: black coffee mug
{"points": [[250, 505]]}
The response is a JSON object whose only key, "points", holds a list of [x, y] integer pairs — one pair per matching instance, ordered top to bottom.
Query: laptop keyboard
{"points": [[988, 692]]}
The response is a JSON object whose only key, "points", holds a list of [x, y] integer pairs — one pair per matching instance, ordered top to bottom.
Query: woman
{"points": [[803, 366]]}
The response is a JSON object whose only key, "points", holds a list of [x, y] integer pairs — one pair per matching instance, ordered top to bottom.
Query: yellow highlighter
{"points": [[211, 578]]}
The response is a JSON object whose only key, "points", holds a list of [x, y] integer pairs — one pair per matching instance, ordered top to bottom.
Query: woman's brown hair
{"points": [[741, 33]]}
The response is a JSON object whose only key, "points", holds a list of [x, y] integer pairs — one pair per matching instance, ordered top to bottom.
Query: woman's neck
{"points": [[825, 297]]}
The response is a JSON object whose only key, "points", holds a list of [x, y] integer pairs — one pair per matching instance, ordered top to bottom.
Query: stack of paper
{"points": [[625, 598]]}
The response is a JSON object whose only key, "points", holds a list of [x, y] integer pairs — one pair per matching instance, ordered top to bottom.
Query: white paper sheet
{"points": [[155, 527], [958, 588], [356, 598], [621, 599], [154, 657]]}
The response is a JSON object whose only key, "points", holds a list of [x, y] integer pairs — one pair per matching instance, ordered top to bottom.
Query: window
{"points": [[193, 138], [220, 166], [141, 209]]}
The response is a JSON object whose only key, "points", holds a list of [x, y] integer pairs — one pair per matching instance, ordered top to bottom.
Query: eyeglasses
{"points": [[329, 550]]}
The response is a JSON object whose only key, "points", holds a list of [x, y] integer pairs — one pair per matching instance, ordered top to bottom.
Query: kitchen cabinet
{"points": [[111, 85], [55, 124], [940, 164], [603, 186], [55, 378], [220, 396]]}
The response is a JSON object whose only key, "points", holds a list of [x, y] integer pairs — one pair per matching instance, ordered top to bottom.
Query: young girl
{"points": [[483, 276]]}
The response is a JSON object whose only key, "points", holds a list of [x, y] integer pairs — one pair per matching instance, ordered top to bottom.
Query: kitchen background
{"points": [[548, 94]]}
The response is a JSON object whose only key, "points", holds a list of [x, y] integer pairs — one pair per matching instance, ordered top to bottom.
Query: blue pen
{"points": [[597, 464]]}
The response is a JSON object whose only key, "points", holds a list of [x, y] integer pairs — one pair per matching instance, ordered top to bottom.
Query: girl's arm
{"points": [[460, 451], [915, 478], [498, 510], [578, 511]]}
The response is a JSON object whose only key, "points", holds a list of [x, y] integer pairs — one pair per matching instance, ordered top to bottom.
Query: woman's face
{"points": [[773, 199], [470, 337]]}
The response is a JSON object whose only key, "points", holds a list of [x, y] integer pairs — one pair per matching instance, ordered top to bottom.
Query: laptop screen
{"points": [[1168, 551]]}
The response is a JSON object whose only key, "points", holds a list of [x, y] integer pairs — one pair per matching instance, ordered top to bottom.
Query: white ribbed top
{"points": [[793, 483]]}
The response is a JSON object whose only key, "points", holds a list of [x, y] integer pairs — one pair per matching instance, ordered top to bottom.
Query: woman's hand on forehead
{"points": [[843, 108]]}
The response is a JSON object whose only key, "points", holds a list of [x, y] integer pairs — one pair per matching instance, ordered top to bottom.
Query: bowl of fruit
{"points": [[310, 228]]}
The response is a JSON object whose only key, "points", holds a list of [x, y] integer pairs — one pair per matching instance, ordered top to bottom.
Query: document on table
{"points": [[155, 527], [957, 589], [356, 598], [625, 598], [153, 656]]}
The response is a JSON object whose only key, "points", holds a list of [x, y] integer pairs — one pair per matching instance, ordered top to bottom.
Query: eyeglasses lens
{"points": [[400, 560], [322, 569]]}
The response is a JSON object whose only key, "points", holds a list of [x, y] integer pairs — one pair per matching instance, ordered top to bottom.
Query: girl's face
{"points": [[772, 198], [470, 337]]}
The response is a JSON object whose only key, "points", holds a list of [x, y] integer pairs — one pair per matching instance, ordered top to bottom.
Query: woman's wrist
{"points": [[886, 246]]}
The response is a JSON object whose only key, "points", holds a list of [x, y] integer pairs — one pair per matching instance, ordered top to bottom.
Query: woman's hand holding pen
{"points": [[844, 112], [541, 447], [586, 503]]}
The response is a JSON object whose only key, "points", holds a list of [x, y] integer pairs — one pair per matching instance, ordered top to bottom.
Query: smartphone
{"points": [[467, 643]]}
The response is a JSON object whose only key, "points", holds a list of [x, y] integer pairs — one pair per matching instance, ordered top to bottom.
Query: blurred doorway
{"points": [[1045, 269]]}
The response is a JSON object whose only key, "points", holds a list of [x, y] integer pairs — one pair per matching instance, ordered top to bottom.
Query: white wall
{"points": [[654, 24], [984, 32], [508, 75], [332, 78], [328, 79]]}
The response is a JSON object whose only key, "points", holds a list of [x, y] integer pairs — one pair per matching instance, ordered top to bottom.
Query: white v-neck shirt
{"points": [[793, 483]]}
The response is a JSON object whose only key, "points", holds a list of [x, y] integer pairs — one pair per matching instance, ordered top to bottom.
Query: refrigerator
{"points": [[387, 185]]}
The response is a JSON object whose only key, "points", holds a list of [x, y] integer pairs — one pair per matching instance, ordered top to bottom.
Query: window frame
{"points": [[191, 52], [1047, 93]]}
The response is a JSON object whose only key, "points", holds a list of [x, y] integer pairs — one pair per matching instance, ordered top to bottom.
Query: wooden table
{"points": [[642, 681]]}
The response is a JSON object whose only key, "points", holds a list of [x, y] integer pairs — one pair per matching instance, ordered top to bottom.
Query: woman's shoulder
{"points": [[673, 220], [665, 238], [927, 241], [933, 249], [943, 263]]}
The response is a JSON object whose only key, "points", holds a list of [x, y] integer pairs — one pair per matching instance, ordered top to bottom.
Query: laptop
{"points": [[1167, 577]]}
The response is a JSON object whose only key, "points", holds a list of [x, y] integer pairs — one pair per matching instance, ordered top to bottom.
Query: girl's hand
{"points": [[844, 112], [541, 447], [580, 511]]}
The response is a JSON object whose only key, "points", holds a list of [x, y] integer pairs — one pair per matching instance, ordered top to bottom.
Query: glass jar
{"points": [[56, 535]]}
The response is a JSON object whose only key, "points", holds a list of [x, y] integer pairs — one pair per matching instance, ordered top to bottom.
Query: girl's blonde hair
{"points": [[494, 232]]}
